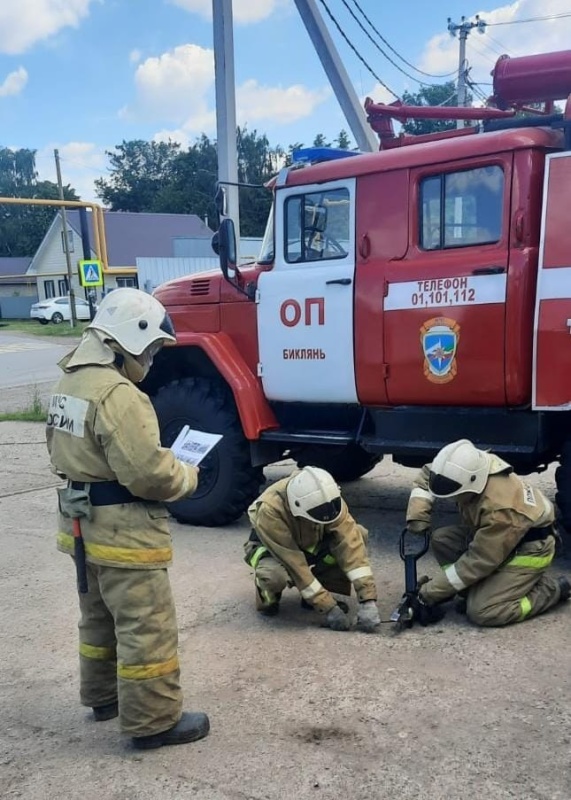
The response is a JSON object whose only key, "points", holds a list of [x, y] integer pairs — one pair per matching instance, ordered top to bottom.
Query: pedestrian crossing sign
{"points": [[91, 273]]}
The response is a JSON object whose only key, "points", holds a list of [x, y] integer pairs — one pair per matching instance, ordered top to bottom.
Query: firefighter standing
{"points": [[103, 436], [303, 535], [498, 556]]}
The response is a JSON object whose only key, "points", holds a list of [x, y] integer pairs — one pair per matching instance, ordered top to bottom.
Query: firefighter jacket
{"points": [[103, 434], [498, 521], [291, 540]]}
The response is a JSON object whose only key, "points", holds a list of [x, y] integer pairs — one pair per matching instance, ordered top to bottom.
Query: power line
{"points": [[530, 19], [503, 47], [379, 48], [354, 49], [392, 49]]}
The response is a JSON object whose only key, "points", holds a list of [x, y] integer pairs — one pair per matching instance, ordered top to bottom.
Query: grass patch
{"points": [[34, 328], [33, 412]]}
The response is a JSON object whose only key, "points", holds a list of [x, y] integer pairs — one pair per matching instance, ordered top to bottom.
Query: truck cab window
{"points": [[459, 209], [317, 226]]}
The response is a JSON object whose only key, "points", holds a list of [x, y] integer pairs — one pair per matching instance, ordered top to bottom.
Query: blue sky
{"points": [[82, 75]]}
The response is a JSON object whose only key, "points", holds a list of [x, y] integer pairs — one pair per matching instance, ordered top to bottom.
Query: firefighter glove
{"points": [[417, 527], [423, 613], [368, 619], [337, 620]]}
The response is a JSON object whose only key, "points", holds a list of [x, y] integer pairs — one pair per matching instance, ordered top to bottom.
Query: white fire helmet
{"points": [[133, 319], [457, 468], [314, 495]]}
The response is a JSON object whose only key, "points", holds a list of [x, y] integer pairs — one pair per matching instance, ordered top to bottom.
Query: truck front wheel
{"points": [[346, 463], [228, 482]]}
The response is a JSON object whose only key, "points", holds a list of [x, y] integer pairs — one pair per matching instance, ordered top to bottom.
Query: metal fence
{"points": [[16, 307]]}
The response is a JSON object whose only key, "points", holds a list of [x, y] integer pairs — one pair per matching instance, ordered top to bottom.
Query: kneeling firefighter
{"points": [[103, 437], [303, 535], [496, 558]]}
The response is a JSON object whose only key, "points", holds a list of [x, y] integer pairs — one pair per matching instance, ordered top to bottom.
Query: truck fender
{"points": [[255, 413]]}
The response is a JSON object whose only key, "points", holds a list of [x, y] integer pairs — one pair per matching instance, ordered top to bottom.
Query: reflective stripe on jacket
{"points": [[289, 539]]}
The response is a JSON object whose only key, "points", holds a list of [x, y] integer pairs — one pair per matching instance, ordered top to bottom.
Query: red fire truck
{"points": [[402, 299]]}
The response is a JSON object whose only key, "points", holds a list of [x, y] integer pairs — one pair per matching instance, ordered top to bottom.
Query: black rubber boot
{"points": [[564, 589], [267, 609], [109, 711], [193, 725]]}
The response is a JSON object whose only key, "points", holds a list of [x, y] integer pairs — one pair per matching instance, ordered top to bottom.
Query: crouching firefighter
{"points": [[103, 437], [303, 535], [496, 559]]}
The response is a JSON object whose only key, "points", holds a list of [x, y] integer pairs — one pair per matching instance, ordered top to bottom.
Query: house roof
{"points": [[144, 235], [14, 265]]}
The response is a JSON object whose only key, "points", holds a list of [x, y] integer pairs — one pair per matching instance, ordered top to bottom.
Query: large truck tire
{"points": [[346, 463], [228, 482], [563, 483]]}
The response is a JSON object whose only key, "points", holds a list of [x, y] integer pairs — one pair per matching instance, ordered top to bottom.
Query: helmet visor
{"points": [[167, 327], [441, 486], [326, 512]]}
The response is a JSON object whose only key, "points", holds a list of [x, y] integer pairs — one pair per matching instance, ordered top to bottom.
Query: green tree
{"points": [[443, 94], [321, 141], [343, 141], [139, 172], [146, 176], [22, 227]]}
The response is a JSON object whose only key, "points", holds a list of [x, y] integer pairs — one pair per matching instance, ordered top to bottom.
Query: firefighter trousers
{"points": [[272, 578], [517, 590], [128, 638]]}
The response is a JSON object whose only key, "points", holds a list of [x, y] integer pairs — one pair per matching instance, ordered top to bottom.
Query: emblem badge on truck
{"points": [[439, 337]]}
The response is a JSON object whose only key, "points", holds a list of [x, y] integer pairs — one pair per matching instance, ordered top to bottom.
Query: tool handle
{"points": [[79, 555], [410, 577]]}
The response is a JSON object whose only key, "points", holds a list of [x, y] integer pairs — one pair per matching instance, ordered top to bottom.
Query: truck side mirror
{"points": [[221, 201], [225, 246]]}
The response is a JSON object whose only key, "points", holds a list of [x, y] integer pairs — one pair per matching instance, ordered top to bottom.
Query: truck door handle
{"points": [[488, 271], [340, 281]]}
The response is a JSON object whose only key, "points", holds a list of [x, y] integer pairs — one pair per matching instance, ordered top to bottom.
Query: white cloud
{"points": [[244, 11], [25, 22], [517, 39], [135, 56], [14, 82], [171, 85], [178, 87], [255, 102], [81, 164]]}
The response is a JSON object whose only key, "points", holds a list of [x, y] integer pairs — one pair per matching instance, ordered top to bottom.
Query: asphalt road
{"points": [[28, 360], [451, 712]]}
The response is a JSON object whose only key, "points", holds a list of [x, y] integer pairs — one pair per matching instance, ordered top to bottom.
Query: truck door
{"points": [[305, 303], [444, 305], [552, 328]]}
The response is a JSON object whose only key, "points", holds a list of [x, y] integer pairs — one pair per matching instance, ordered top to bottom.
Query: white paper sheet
{"points": [[192, 446]]}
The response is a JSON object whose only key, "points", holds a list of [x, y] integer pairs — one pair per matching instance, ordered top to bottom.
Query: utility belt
{"points": [[106, 493], [537, 534]]}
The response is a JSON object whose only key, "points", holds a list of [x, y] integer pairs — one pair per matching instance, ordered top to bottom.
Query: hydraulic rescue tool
{"points": [[404, 615]]}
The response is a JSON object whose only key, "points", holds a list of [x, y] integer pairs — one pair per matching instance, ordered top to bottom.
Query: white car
{"points": [[57, 309]]}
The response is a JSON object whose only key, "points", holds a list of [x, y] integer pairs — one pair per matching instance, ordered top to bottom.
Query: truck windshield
{"points": [[267, 252]]}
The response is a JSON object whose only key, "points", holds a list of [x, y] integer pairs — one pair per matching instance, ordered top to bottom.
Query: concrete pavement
{"points": [[297, 712]]}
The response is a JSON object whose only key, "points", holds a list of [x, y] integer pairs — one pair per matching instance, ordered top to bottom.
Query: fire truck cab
{"points": [[402, 299]]}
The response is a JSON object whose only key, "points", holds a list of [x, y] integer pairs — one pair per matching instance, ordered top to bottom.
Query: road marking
{"points": [[21, 346]]}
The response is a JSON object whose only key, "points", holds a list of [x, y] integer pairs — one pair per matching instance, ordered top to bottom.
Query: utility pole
{"points": [[463, 29], [337, 74], [226, 109], [73, 315]]}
